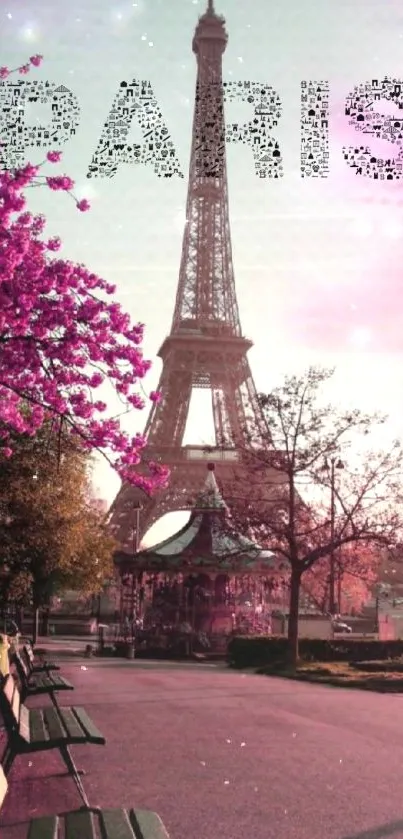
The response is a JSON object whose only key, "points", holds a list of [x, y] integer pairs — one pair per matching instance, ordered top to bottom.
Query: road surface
{"points": [[227, 755]]}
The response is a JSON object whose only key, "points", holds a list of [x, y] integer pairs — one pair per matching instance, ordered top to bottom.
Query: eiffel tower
{"points": [[205, 347]]}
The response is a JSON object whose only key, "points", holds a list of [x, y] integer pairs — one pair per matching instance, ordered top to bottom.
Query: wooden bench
{"points": [[37, 667], [35, 684], [42, 729], [110, 824], [115, 824]]}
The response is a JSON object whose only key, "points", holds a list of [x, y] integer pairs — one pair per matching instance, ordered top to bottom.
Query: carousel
{"points": [[191, 592]]}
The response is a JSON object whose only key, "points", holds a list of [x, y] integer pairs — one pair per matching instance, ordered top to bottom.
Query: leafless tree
{"points": [[298, 503]]}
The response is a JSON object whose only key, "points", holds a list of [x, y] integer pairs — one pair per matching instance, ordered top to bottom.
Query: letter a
{"points": [[135, 99]]}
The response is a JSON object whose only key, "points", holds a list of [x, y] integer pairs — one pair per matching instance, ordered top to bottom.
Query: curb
{"points": [[373, 687]]}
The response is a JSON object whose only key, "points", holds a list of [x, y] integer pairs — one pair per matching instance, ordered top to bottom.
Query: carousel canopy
{"points": [[207, 542]]}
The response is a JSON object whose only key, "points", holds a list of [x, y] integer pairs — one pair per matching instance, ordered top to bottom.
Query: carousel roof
{"points": [[207, 541]]}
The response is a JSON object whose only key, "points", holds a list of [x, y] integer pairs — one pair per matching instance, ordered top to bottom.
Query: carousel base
{"points": [[184, 649], [128, 650], [168, 655]]}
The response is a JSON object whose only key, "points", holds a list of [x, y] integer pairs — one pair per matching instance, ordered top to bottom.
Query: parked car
{"points": [[341, 628]]}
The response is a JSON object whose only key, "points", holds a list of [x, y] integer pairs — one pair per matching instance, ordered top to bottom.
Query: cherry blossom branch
{"points": [[60, 336]]}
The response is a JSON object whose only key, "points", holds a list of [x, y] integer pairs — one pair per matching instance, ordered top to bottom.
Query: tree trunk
{"points": [[295, 586], [20, 616], [45, 621]]}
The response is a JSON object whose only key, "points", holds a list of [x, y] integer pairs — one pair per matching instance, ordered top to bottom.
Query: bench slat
{"points": [[29, 658], [22, 665], [47, 667], [55, 680], [38, 681], [44, 683], [61, 683], [8, 689], [6, 698], [16, 701], [54, 725], [24, 728], [73, 728], [37, 729], [92, 731], [3, 786], [113, 824], [80, 825], [116, 825], [147, 825], [44, 828]]}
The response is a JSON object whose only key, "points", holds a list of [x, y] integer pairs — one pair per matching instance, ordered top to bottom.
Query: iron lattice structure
{"points": [[205, 347]]}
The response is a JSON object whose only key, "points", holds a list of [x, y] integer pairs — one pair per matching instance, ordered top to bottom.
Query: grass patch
{"points": [[388, 666], [387, 677]]}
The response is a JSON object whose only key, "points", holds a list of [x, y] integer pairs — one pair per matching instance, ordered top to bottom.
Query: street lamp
{"points": [[335, 463], [136, 531], [339, 581], [381, 591], [134, 597]]}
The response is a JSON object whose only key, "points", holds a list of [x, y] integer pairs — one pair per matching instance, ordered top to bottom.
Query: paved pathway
{"points": [[224, 755]]}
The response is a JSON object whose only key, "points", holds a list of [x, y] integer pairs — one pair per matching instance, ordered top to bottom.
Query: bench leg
{"points": [[53, 699], [4, 755], [7, 759], [74, 772], [80, 772]]}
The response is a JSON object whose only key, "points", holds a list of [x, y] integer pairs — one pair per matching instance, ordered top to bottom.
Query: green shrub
{"points": [[256, 651]]}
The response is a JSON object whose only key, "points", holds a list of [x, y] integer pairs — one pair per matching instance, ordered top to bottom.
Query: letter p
{"points": [[16, 136]]}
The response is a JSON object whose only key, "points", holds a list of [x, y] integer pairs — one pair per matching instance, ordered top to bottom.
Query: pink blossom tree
{"points": [[62, 336], [287, 496], [357, 570]]}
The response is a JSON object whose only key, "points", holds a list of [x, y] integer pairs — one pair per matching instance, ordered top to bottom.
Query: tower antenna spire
{"points": [[210, 7]]}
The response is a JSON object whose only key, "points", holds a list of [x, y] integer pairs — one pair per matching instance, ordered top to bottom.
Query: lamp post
{"points": [[335, 463], [136, 532], [136, 545], [339, 580], [381, 591], [134, 598], [35, 627]]}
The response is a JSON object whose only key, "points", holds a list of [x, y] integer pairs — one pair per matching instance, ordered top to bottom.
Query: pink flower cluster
{"points": [[34, 61], [58, 182], [60, 337]]}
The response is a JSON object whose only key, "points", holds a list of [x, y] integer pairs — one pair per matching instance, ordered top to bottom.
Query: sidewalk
{"points": [[70, 648], [166, 750]]}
